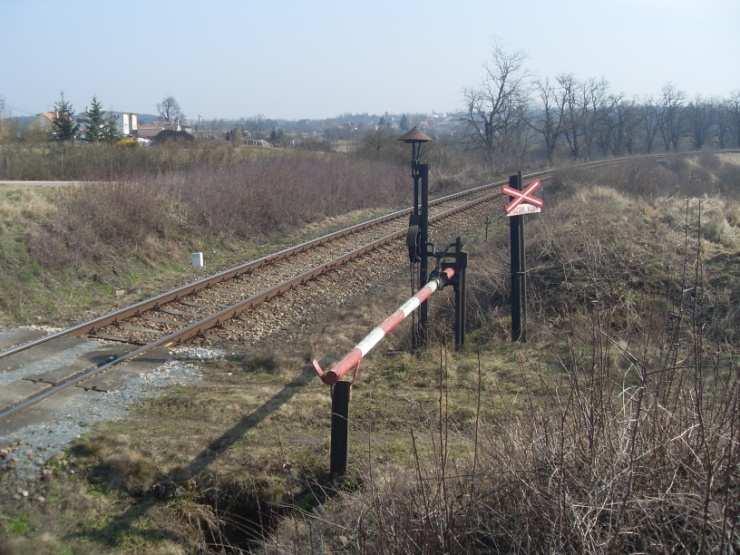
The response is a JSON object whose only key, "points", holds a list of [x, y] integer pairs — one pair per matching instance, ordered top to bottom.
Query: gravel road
{"points": [[26, 449]]}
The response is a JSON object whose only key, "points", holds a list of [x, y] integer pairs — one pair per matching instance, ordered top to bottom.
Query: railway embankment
{"points": [[631, 315]]}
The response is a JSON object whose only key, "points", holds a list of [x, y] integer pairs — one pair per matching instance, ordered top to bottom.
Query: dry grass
{"points": [[730, 158], [53, 161], [247, 200], [613, 430], [630, 447], [634, 451]]}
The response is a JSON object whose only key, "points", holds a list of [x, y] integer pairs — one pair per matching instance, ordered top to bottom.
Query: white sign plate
{"points": [[525, 209]]}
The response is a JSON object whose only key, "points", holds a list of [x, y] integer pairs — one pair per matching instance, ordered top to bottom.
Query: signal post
{"points": [[521, 201]]}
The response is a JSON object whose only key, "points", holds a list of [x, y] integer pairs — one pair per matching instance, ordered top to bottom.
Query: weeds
{"points": [[109, 162], [249, 200], [633, 447]]}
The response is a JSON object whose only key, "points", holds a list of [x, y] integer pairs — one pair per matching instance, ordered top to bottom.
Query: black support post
{"points": [[413, 239], [515, 243], [423, 254], [461, 263], [522, 274], [340, 392]]}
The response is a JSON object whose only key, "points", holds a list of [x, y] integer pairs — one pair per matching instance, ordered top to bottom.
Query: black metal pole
{"points": [[415, 176], [415, 219], [423, 240], [515, 249], [461, 262], [522, 275], [463, 297], [458, 326], [339, 428]]}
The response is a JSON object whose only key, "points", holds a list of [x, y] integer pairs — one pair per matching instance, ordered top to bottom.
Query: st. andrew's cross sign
{"points": [[523, 202]]}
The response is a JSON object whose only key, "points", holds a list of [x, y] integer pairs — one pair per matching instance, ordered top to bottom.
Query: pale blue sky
{"points": [[290, 58]]}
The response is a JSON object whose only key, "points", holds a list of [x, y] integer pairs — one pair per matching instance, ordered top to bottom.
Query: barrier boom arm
{"points": [[352, 359]]}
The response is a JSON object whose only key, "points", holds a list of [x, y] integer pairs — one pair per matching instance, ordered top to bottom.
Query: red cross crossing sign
{"points": [[523, 202]]}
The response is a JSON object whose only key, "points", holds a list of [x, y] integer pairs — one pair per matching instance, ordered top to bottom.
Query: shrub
{"points": [[709, 160], [729, 180], [249, 199], [94, 221], [632, 448]]}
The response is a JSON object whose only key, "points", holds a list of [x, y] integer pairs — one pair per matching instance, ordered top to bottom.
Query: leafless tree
{"points": [[594, 95], [582, 102], [733, 106], [169, 111], [495, 111], [572, 113], [699, 117], [630, 118], [650, 119], [550, 121], [723, 121], [608, 125], [617, 125], [671, 125]]}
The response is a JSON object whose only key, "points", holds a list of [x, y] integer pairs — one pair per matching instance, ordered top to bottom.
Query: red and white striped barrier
{"points": [[352, 359]]}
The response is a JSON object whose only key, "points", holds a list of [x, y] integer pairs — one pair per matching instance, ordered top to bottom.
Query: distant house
{"points": [[127, 123], [149, 130], [170, 135]]}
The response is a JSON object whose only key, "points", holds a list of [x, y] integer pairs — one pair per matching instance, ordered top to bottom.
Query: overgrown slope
{"points": [[613, 429]]}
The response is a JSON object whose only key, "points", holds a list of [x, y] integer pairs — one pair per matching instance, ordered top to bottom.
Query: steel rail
{"points": [[186, 290], [181, 292], [219, 318]]}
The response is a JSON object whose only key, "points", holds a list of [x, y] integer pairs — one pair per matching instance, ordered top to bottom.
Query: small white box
{"points": [[197, 258]]}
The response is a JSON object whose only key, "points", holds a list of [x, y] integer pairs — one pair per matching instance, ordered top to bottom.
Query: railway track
{"points": [[192, 310]]}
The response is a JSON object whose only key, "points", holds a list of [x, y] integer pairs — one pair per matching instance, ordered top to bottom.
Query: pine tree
{"points": [[95, 121], [63, 126], [109, 132]]}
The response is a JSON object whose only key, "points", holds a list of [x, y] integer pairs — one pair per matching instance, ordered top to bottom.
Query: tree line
{"points": [[510, 114]]}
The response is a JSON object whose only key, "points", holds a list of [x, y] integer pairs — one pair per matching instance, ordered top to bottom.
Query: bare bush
{"points": [[709, 160], [109, 162], [652, 178], [729, 180], [251, 199], [91, 223], [633, 448], [634, 452]]}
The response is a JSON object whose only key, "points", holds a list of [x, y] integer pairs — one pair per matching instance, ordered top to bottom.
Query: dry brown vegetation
{"points": [[59, 161], [682, 176], [247, 200], [68, 249], [613, 430], [625, 438], [634, 450]]}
